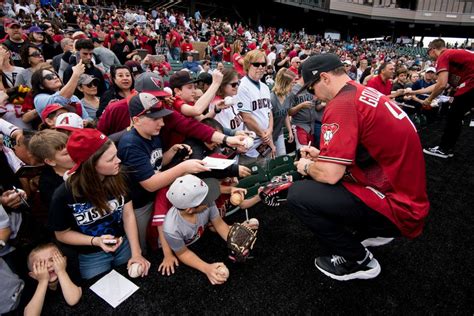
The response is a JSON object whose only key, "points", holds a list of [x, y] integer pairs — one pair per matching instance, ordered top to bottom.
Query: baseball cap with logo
{"points": [[11, 22], [315, 65], [135, 67], [431, 69], [181, 78], [152, 83], [148, 105], [50, 109], [69, 121], [82, 144], [189, 191]]}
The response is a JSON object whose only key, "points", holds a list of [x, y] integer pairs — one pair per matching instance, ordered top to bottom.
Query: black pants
{"points": [[452, 130], [339, 220]]}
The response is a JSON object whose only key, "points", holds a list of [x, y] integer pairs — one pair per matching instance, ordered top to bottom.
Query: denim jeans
{"points": [[93, 264]]}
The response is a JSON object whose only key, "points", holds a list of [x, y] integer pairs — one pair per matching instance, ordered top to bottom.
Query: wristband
{"points": [[216, 110], [224, 140], [92, 240]]}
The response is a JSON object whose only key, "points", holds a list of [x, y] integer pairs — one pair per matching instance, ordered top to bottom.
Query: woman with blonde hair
{"points": [[237, 58], [281, 103]]}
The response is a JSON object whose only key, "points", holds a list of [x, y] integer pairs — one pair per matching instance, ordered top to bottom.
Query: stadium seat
{"points": [[280, 161], [252, 180]]}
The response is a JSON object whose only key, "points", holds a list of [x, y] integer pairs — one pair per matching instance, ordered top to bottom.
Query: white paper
{"points": [[218, 163], [114, 288]]}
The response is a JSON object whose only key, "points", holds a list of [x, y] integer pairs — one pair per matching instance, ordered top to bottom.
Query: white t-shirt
{"points": [[271, 58], [254, 98]]}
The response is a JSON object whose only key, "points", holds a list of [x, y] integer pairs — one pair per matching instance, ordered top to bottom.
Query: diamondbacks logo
{"points": [[156, 82], [328, 131]]}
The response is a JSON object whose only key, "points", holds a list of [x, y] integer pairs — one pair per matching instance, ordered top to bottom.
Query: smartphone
{"points": [[29, 171], [110, 242]]}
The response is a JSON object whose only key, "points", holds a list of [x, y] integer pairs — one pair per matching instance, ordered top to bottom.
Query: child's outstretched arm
{"points": [[221, 227], [169, 260], [211, 270], [41, 274], [71, 292]]}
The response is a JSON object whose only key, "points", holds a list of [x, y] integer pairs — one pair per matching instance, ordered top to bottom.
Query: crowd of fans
{"points": [[85, 89]]}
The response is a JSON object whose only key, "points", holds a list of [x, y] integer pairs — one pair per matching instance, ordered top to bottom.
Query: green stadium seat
{"points": [[279, 161], [252, 180]]}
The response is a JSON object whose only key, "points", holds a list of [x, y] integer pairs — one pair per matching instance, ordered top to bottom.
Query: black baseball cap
{"points": [[312, 68], [205, 77], [181, 78], [148, 105]]}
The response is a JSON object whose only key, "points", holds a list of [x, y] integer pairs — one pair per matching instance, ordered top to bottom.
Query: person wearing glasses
{"points": [[33, 58], [295, 64], [88, 86], [48, 88], [255, 107], [229, 116], [367, 182]]}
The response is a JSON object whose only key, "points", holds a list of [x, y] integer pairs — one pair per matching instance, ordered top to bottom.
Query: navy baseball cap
{"points": [[312, 68], [181, 78], [148, 105]]}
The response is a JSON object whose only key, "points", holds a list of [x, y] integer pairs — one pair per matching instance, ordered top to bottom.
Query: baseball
{"points": [[168, 90], [228, 100], [248, 142], [236, 198], [253, 223], [135, 270], [223, 271]]}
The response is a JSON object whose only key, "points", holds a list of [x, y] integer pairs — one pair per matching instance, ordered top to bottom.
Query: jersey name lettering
{"points": [[370, 97], [260, 103]]}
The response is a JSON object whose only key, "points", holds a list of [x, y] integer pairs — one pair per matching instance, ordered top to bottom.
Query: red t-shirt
{"points": [[186, 47], [459, 63], [238, 67], [378, 84], [375, 139]]}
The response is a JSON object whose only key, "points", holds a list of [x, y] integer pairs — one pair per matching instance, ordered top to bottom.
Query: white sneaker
{"points": [[377, 241]]}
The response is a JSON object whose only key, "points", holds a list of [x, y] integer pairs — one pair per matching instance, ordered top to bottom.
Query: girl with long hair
{"points": [[281, 102], [91, 210]]}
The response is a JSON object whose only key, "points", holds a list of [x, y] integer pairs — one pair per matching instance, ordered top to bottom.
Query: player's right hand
{"points": [[309, 152]]}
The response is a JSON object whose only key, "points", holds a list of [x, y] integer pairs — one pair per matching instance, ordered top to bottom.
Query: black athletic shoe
{"points": [[438, 152], [338, 268]]}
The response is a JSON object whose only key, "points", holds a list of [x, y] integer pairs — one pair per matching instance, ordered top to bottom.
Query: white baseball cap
{"points": [[432, 69], [69, 121], [189, 191]]}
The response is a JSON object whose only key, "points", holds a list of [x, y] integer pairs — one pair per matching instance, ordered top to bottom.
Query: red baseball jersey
{"points": [[460, 65], [375, 139]]}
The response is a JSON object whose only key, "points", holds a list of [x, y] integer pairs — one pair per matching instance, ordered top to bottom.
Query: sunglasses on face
{"points": [[35, 54], [256, 65], [50, 77], [234, 84], [90, 85], [310, 88]]}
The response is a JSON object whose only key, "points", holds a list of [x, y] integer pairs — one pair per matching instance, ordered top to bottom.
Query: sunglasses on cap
{"points": [[35, 54], [256, 65], [50, 77], [234, 84]]}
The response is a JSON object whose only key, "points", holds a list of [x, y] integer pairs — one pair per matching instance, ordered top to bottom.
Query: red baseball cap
{"points": [[10, 22], [50, 109], [82, 144]]}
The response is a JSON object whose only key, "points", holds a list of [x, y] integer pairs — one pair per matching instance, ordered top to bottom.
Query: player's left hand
{"points": [[300, 165]]}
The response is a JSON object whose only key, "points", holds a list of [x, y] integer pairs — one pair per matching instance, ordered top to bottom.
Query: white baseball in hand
{"points": [[168, 90], [228, 100], [248, 142], [135, 270], [223, 271]]}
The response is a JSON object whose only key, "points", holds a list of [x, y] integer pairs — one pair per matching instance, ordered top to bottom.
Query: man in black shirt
{"points": [[14, 41], [85, 47], [124, 49]]}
